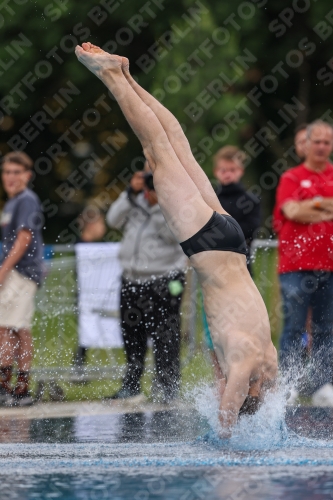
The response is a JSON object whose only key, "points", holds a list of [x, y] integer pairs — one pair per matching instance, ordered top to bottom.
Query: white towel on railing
{"points": [[99, 282]]}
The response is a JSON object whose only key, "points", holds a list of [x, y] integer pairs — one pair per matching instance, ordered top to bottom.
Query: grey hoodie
{"points": [[148, 246]]}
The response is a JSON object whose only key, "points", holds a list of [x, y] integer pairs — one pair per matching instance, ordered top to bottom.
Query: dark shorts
{"points": [[221, 232]]}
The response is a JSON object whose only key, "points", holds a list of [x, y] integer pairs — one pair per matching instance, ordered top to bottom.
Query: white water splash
{"points": [[264, 430]]}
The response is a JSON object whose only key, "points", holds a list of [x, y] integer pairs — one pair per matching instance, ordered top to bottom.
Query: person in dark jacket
{"points": [[239, 203]]}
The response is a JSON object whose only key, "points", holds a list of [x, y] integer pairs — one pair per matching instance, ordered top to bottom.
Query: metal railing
{"points": [[264, 257], [55, 327]]}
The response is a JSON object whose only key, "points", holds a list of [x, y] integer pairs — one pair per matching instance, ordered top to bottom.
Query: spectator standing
{"points": [[300, 141], [300, 150], [304, 202], [239, 203], [92, 225], [20, 274], [152, 284]]}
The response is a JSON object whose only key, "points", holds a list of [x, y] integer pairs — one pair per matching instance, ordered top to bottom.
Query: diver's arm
{"points": [[234, 395]]}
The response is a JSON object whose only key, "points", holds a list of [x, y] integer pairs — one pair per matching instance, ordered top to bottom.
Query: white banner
{"points": [[99, 282]]}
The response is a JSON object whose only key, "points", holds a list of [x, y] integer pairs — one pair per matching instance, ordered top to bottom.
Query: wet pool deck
{"points": [[85, 408], [306, 420]]}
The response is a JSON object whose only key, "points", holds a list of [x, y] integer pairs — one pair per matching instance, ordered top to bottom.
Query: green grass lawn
{"points": [[266, 279], [55, 331]]}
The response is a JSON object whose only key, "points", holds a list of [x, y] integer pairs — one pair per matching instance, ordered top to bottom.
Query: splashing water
{"points": [[266, 429]]}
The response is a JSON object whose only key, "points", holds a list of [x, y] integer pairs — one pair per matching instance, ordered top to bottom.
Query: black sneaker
{"points": [[127, 394], [161, 394], [6, 398], [24, 399]]}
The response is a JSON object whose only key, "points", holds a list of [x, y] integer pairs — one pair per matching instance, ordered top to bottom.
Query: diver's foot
{"points": [[97, 60], [125, 66]]}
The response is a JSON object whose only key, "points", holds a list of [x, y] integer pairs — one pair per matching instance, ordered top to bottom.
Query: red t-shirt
{"points": [[303, 246]]}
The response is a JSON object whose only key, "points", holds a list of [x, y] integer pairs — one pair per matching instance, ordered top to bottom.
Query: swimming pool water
{"points": [[168, 454]]}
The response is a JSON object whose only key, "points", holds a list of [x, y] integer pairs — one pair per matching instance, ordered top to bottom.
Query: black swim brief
{"points": [[221, 232]]}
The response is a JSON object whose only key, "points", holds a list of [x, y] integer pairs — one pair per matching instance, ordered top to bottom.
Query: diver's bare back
{"points": [[236, 314]]}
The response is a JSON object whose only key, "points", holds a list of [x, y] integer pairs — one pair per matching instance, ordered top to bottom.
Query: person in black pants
{"points": [[242, 205], [152, 285], [150, 309]]}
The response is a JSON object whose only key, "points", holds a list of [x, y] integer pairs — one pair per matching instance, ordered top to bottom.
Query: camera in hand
{"points": [[149, 181]]}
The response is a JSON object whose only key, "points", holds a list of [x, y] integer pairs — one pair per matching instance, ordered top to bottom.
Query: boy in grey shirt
{"points": [[20, 274]]}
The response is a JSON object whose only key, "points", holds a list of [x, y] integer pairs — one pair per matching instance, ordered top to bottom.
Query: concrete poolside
{"points": [[85, 408]]}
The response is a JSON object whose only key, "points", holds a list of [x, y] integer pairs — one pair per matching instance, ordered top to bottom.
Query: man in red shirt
{"points": [[304, 214]]}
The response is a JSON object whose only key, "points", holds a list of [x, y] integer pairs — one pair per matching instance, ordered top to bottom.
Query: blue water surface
{"points": [[172, 454]]}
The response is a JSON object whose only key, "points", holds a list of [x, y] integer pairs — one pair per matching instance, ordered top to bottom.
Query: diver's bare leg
{"points": [[176, 138], [178, 141], [181, 202]]}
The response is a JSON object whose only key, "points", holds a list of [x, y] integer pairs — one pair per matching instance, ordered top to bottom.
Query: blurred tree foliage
{"points": [[241, 72]]}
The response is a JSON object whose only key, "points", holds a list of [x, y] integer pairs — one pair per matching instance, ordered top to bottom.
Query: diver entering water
{"points": [[236, 313]]}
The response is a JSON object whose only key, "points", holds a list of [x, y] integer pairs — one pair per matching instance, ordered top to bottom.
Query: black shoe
{"points": [[80, 356], [56, 392], [125, 393], [161, 394], [6, 398], [24, 399], [165, 399]]}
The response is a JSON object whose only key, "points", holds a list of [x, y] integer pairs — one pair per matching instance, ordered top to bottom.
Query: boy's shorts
{"points": [[17, 301]]}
